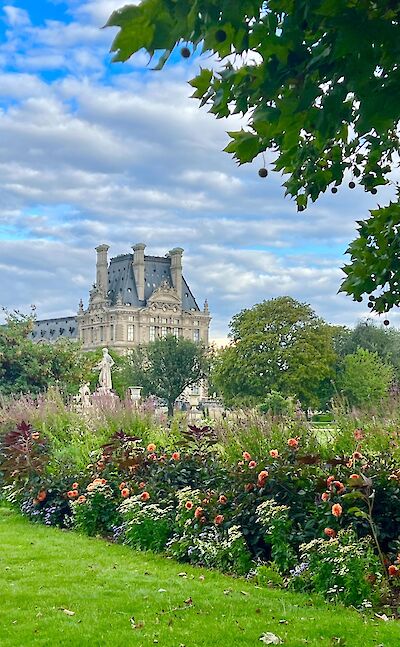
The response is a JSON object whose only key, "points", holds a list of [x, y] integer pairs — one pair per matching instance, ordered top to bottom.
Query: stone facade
{"points": [[136, 298]]}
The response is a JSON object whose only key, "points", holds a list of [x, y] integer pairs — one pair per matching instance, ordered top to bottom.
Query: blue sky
{"points": [[94, 152]]}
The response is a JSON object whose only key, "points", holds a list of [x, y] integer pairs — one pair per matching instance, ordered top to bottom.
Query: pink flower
{"points": [[293, 443], [274, 453], [246, 456], [252, 464], [337, 510]]}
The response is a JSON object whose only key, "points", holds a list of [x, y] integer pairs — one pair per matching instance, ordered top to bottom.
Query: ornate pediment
{"points": [[164, 295]]}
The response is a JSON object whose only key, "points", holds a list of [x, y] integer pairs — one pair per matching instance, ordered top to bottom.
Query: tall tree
{"points": [[319, 84], [385, 342], [278, 345], [167, 366], [365, 379]]}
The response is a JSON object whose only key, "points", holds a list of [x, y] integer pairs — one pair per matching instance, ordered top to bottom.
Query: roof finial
{"points": [[206, 306], [80, 308]]}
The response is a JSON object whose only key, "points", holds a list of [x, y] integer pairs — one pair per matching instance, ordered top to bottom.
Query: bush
{"points": [[95, 512], [146, 526], [344, 569]]}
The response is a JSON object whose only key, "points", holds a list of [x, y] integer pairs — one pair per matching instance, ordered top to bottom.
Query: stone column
{"points": [[138, 268], [102, 269], [176, 269]]}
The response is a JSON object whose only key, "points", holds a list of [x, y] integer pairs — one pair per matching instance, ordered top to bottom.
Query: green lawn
{"points": [[121, 598]]}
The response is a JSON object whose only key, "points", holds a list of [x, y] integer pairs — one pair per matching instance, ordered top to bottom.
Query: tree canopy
{"points": [[319, 84], [385, 342], [279, 345], [167, 366], [28, 367], [365, 379]]}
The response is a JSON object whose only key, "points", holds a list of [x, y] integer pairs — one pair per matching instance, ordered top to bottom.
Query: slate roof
{"points": [[157, 269], [121, 279], [51, 329]]}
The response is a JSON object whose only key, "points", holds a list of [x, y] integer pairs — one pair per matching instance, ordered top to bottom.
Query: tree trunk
{"points": [[171, 408]]}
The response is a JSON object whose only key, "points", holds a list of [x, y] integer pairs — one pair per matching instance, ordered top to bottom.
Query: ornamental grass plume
{"points": [[337, 510]]}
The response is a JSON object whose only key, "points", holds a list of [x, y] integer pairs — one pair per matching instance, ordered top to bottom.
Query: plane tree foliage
{"points": [[318, 82], [281, 345]]}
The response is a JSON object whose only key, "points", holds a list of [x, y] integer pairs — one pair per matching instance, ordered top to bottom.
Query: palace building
{"points": [[136, 299]]}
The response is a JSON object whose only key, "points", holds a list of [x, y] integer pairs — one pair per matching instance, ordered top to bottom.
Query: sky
{"points": [[96, 152]]}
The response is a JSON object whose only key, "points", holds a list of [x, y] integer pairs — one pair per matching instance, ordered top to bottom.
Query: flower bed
{"points": [[309, 521]]}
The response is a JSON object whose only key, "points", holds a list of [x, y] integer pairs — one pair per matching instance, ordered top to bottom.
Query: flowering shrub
{"points": [[94, 511], [314, 514], [146, 526], [278, 528], [344, 568]]}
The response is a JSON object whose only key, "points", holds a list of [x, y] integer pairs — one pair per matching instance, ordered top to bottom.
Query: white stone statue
{"points": [[104, 366], [85, 395]]}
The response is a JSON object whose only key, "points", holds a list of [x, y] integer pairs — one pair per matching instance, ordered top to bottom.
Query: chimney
{"points": [[138, 268], [102, 269], [176, 269]]}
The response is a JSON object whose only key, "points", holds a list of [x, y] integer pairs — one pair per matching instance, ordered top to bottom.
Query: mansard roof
{"points": [[157, 270], [51, 329]]}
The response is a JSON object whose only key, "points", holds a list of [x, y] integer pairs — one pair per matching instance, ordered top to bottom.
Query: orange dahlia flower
{"points": [[293, 443], [151, 447], [274, 453], [176, 456], [246, 456], [252, 464], [262, 478], [42, 495], [145, 496], [222, 499], [189, 505], [337, 509], [198, 513], [219, 519], [330, 532]]}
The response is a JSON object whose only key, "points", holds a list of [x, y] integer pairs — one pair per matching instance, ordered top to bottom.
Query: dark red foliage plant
{"points": [[24, 454]]}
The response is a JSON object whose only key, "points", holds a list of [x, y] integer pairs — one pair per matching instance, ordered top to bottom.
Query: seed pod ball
{"points": [[220, 36], [185, 52], [263, 172], [352, 185]]}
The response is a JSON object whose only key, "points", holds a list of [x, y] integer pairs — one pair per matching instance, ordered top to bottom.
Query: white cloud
{"points": [[16, 17], [91, 155]]}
